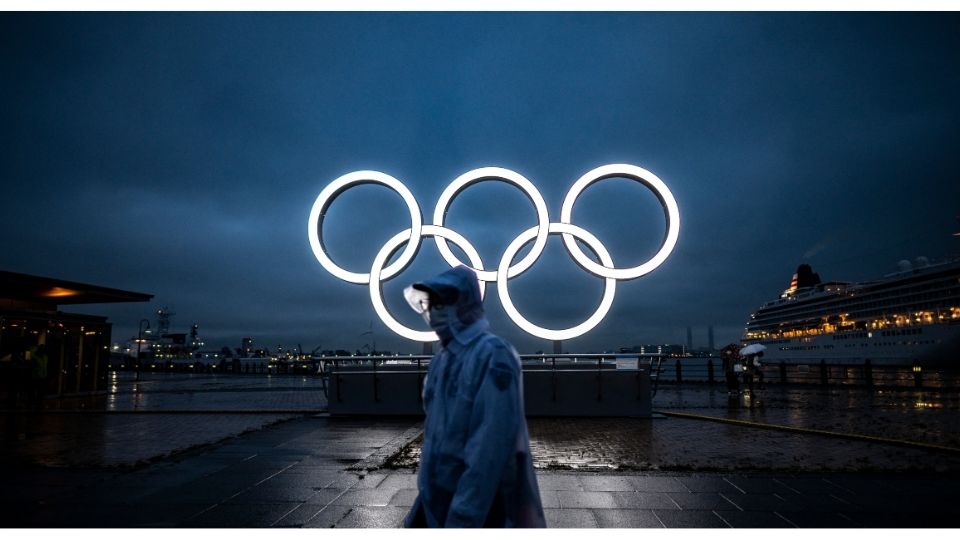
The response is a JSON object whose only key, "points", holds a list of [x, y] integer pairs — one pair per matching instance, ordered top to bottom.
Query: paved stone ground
{"points": [[929, 416], [97, 432], [116, 440], [676, 444], [680, 444], [159, 468], [286, 475], [294, 475]]}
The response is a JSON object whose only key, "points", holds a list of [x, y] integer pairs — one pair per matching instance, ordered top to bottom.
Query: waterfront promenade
{"points": [[255, 452]]}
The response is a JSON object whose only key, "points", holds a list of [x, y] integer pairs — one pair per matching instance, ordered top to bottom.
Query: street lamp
{"points": [[140, 330]]}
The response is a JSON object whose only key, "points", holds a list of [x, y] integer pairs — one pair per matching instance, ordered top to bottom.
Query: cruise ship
{"points": [[908, 318]]}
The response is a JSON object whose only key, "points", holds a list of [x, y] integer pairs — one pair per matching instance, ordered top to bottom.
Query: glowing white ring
{"points": [[504, 175], [645, 177], [330, 193], [504, 271], [610, 284], [376, 291]]}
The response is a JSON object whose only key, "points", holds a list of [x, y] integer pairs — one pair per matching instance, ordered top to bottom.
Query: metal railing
{"points": [[589, 361], [529, 362], [243, 367], [668, 370], [865, 374]]}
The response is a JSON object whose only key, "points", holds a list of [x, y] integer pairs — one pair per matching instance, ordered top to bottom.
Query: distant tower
{"points": [[163, 320], [710, 338], [689, 339], [195, 342], [246, 346]]}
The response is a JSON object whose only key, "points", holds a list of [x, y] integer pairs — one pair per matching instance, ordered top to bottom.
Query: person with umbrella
{"points": [[730, 358], [752, 365]]}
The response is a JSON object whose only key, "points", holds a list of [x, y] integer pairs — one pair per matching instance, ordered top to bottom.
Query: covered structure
{"points": [[77, 345]]}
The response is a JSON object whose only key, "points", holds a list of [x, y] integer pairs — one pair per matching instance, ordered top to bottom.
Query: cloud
{"points": [[179, 154]]}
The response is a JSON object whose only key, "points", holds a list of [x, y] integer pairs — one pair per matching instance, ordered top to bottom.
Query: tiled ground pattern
{"points": [[111, 440], [675, 444], [683, 444], [292, 475]]}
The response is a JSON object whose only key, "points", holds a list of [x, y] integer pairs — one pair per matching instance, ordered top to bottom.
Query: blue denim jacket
{"points": [[475, 463]]}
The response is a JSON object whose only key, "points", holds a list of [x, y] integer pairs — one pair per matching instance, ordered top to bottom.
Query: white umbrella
{"points": [[752, 349]]}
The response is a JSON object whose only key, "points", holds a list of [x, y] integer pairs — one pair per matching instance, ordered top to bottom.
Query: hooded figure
{"points": [[475, 463]]}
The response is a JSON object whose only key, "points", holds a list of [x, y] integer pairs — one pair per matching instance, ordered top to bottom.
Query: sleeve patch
{"points": [[501, 378]]}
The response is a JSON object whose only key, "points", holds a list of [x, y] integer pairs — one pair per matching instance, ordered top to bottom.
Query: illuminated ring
{"points": [[504, 175], [331, 192], [670, 210], [388, 249], [610, 283]]}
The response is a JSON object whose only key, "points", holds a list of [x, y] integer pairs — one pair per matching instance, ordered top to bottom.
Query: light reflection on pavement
{"points": [[183, 411], [924, 416], [93, 438], [681, 444]]}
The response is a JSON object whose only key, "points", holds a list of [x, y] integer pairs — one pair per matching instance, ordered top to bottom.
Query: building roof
{"points": [[53, 292]]}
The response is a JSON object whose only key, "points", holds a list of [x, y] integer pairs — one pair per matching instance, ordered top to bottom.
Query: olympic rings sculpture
{"points": [[506, 269]]}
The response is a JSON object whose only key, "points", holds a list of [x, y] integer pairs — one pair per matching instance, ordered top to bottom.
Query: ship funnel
{"points": [[921, 262], [905, 265], [806, 277]]}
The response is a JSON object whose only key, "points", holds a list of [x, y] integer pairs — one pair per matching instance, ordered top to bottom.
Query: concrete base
{"points": [[392, 391], [562, 391], [587, 392]]}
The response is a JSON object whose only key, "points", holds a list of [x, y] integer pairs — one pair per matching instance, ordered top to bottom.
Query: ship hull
{"points": [[929, 345]]}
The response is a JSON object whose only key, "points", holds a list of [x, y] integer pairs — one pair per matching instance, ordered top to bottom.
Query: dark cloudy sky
{"points": [[179, 155]]}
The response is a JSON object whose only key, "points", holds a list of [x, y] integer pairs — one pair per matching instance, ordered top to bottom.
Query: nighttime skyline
{"points": [[179, 155]]}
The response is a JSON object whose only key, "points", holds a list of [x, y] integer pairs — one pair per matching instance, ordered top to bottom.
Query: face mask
{"points": [[438, 318]]}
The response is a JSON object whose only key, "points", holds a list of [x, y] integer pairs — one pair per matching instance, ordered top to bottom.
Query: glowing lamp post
{"points": [[140, 330]]}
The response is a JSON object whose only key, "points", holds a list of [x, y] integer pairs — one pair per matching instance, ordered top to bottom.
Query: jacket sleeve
{"points": [[491, 441]]}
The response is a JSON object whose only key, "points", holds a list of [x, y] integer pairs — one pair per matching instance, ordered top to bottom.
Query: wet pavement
{"points": [[170, 392], [159, 415], [925, 416], [117, 440], [679, 444], [685, 444], [176, 461], [301, 473], [287, 474]]}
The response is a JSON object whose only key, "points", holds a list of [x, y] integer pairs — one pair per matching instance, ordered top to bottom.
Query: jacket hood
{"points": [[468, 307]]}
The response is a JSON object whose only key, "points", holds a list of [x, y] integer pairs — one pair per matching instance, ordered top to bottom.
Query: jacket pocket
{"points": [[447, 471]]}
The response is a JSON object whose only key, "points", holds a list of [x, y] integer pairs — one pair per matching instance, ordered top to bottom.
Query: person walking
{"points": [[729, 355], [758, 367], [749, 371], [38, 376], [476, 468]]}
